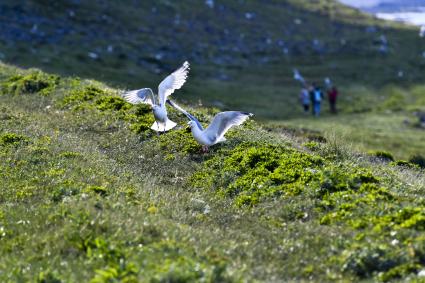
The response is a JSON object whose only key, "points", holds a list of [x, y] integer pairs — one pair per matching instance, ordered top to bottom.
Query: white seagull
{"points": [[298, 77], [328, 82], [166, 88], [215, 132]]}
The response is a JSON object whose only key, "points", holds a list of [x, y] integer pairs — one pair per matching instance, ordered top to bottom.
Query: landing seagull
{"points": [[298, 77], [166, 88], [215, 132]]}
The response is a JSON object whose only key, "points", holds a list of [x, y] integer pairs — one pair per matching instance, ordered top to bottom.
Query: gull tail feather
{"points": [[163, 127], [221, 139]]}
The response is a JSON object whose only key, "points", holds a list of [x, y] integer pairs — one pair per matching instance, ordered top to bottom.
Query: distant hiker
{"points": [[311, 93], [332, 95], [316, 96], [305, 99]]}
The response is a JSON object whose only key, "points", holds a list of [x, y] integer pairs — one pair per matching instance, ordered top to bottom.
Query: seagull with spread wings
{"points": [[166, 88], [215, 132]]}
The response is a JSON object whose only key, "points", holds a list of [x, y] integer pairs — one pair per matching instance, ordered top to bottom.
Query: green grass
{"points": [[137, 34], [377, 120], [365, 132], [89, 193], [85, 196]]}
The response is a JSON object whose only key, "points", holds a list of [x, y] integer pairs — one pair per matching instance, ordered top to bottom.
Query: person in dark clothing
{"points": [[311, 92], [332, 95], [316, 96], [305, 99]]}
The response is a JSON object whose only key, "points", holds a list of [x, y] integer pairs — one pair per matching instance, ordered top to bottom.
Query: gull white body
{"points": [[166, 88], [162, 123], [219, 126], [202, 137]]}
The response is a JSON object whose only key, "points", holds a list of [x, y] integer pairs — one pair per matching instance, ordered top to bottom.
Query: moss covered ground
{"points": [[89, 193]]}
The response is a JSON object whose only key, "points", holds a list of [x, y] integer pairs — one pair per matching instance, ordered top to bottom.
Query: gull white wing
{"points": [[174, 81], [144, 95], [187, 114], [222, 122]]}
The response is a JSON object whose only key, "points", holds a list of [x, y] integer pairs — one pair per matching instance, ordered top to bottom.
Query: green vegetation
{"points": [[226, 48], [33, 82], [376, 105], [390, 132], [11, 139], [384, 155], [418, 160], [251, 172], [87, 194]]}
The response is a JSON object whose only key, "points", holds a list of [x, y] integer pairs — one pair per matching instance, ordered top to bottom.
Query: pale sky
{"points": [[364, 3]]}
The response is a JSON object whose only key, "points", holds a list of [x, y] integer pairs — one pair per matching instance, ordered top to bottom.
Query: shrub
{"points": [[35, 82], [79, 96], [112, 103], [12, 139], [179, 141], [383, 155], [418, 160], [404, 163], [251, 172], [100, 190]]}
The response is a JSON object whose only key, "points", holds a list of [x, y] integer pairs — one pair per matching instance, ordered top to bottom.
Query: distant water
{"points": [[415, 18]]}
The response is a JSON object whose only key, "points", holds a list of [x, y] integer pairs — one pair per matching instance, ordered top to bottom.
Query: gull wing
{"points": [[174, 81], [143, 95], [187, 114], [223, 121]]}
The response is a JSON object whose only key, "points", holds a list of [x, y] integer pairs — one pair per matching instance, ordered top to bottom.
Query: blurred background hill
{"points": [[242, 53]]}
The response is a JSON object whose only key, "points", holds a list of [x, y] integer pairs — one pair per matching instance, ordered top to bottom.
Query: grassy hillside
{"points": [[244, 52], [385, 119], [89, 193]]}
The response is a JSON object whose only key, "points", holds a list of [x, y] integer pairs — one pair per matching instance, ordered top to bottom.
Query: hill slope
{"points": [[242, 49], [88, 192]]}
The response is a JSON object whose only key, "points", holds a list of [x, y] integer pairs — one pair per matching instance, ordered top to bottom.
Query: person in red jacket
{"points": [[332, 95]]}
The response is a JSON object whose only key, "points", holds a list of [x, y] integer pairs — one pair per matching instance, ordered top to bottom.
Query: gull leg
{"points": [[157, 124], [204, 149]]}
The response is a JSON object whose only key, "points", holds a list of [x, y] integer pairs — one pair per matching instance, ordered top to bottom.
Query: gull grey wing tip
{"points": [[247, 114]]}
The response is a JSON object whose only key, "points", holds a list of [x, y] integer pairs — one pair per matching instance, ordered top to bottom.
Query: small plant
{"points": [[78, 96], [114, 103], [316, 137], [12, 139], [179, 141], [312, 145], [70, 154], [383, 155], [418, 160], [404, 163], [100, 190]]}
